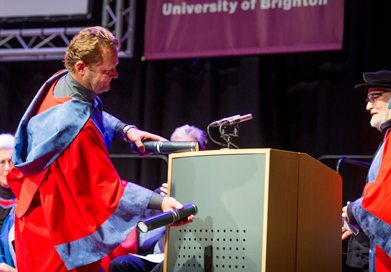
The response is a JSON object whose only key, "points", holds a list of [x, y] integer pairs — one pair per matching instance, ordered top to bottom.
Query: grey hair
{"points": [[191, 131], [6, 141]]}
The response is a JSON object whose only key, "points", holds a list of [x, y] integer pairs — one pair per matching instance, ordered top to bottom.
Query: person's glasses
{"points": [[373, 97]]}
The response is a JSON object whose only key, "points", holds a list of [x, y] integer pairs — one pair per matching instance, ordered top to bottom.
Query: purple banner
{"points": [[206, 28]]}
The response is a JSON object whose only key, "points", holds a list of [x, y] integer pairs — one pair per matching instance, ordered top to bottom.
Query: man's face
{"points": [[98, 76], [377, 105], [5, 164]]}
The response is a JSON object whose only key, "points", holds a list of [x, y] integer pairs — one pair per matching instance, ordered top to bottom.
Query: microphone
{"points": [[233, 120], [166, 147], [166, 218]]}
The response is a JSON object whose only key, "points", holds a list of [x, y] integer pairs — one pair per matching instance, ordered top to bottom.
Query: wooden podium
{"points": [[258, 210]]}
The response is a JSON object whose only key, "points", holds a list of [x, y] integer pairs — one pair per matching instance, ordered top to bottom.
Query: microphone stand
{"points": [[232, 121], [227, 136]]}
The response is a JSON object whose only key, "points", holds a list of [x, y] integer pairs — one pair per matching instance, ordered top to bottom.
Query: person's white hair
{"points": [[190, 131], [6, 141]]}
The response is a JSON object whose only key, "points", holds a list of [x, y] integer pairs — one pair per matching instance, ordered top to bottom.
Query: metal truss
{"points": [[50, 43]]}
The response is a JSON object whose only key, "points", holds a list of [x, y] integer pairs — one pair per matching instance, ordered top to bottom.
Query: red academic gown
{"points": [[377, 201], [77, 209]]}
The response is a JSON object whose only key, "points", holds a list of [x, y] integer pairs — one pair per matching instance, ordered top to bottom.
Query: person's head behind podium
{"points": [[377, 88], [190, 133]]}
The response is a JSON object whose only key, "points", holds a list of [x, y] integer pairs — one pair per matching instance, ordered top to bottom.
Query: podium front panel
{"points": [[258, 210], [226, 234]]}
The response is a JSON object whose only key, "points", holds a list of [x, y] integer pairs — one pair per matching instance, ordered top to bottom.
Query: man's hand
{"points": [[137, 137], [164, 189], [170, 203], [346, 227], [345, 233]]}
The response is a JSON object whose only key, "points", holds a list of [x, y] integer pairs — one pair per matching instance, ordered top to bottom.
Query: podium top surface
{"points": [[232, 152], [268, 152]]}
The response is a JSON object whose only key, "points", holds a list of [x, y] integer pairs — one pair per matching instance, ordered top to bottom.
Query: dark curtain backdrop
{"points": [[300, 102]]}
